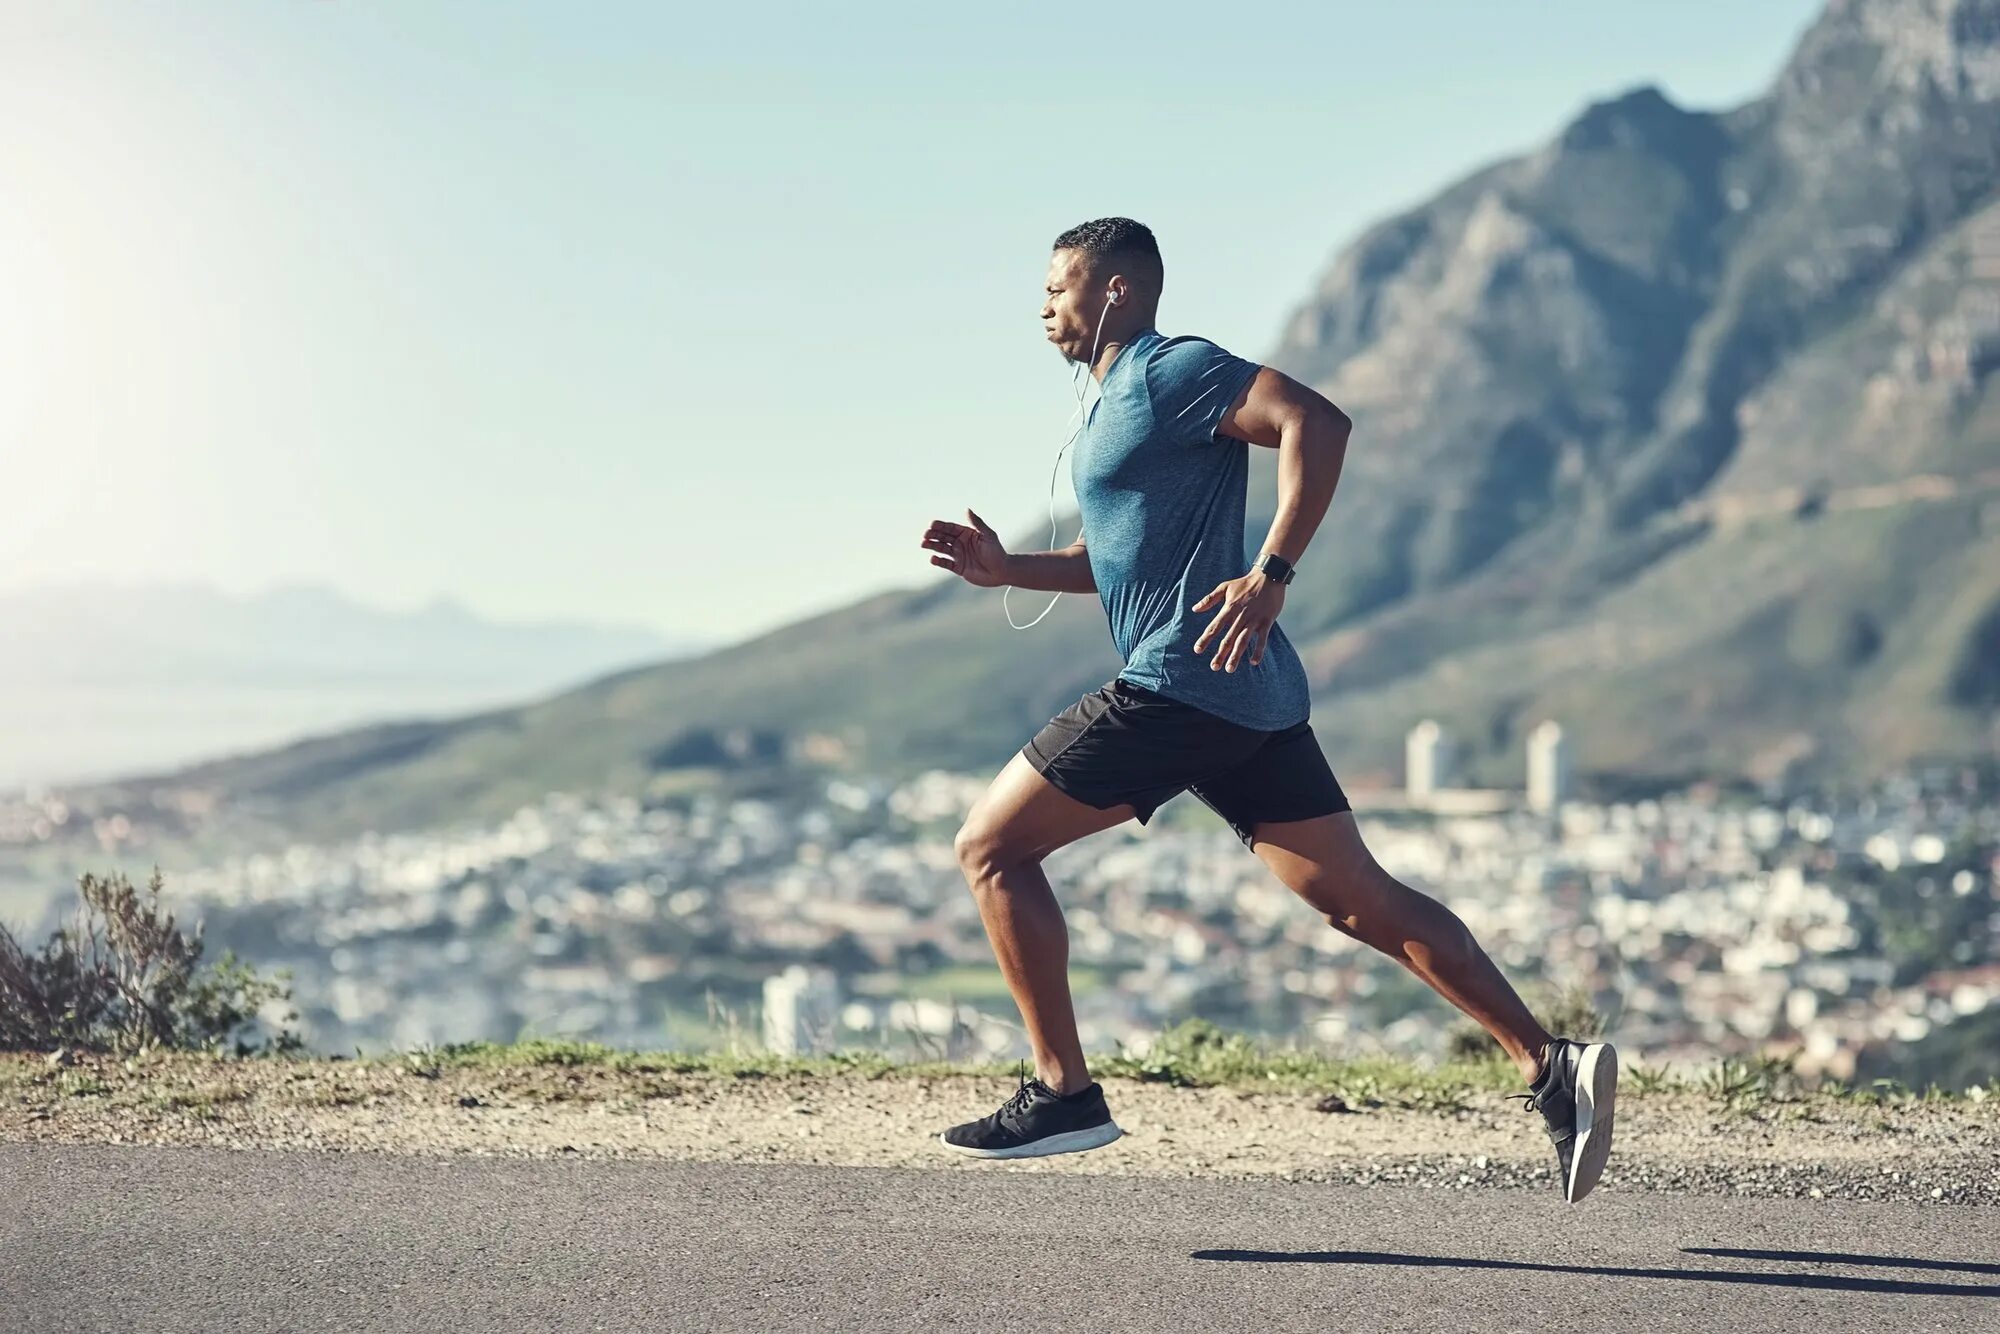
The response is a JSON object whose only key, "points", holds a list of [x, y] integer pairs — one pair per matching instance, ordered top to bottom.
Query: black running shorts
{"points": [[1124, 743]]}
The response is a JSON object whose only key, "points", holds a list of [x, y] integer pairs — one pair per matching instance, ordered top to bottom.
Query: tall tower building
{"points": [[1426, 761], [1548, 767], [801, 1011]]}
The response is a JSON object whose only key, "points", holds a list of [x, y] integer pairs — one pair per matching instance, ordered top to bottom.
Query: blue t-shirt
{"points": [[1161, 496]]}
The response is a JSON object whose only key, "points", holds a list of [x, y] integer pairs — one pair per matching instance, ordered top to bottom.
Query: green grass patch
{"points": [[975, 982], [1193, 1054], [1198, 1054], [81, 1084], [202, 1103]]}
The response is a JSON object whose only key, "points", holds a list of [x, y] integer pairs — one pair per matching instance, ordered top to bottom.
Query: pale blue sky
{"points": [[692, 318]]}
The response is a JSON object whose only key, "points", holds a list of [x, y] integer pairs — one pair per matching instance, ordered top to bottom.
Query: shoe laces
{"points": [[1022, 1096], [1532, 1098]]}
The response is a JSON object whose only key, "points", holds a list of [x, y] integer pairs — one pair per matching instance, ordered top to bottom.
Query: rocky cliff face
{"points": [[1759, 340]]}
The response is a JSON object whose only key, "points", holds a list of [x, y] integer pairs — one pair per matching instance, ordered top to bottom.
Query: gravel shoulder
{"points": [[1814, 1146]]}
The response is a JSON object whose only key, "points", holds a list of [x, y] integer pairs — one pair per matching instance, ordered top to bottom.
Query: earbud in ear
{"points": [[1111, 294]]}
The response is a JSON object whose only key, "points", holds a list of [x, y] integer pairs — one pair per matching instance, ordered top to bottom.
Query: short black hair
{"points": [[1110, 240]]}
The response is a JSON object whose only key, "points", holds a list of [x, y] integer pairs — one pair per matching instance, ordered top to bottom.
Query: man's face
{"points": [[1071, 303]]}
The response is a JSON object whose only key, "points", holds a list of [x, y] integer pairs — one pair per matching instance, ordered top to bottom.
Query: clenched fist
{"points": [[973, 553]]}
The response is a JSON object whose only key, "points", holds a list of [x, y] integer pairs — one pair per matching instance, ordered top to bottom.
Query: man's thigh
{"points": [[1286, 784], [1024, 817], [1321, 853], [1324, 862]]}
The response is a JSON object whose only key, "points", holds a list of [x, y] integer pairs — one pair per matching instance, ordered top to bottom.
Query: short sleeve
{"points": [[1192, 382]]}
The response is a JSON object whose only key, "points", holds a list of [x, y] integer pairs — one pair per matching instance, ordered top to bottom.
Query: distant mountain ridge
{"points": [[1680, 428], [298, 633], [96, 678]]}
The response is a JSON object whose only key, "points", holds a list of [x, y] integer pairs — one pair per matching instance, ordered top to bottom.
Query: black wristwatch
{"points": [[1275, 567]]}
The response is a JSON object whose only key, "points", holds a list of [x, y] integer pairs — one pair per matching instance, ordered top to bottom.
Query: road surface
{"points": [[115, 1238]]}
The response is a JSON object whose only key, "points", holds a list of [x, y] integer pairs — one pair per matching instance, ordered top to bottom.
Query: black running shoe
{"points": [[1576, 1095], [1036, 1121]]}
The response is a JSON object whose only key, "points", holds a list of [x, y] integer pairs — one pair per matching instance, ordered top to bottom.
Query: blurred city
{"points": [[1848, 933]]}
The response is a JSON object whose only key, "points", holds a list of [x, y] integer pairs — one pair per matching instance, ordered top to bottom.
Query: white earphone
{"points": [[1078, 416]]}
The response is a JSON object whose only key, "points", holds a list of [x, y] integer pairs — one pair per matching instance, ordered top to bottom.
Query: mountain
{"points": [[1680, 429], [96, 678]]}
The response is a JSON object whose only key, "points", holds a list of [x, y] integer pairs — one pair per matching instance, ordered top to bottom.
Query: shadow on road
{"points": [[1841, 1258], [1759, 1278]]}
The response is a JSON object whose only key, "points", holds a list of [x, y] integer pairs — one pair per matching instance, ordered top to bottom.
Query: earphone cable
{"points": [[1080, 418]]}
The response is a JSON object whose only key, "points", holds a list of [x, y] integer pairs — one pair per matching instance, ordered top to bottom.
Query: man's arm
{"points": [[1310, 435], [1065, 571]]}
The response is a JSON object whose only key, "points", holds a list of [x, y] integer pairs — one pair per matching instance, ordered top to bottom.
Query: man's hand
{"points": [[974, 553], [1250, 607]]}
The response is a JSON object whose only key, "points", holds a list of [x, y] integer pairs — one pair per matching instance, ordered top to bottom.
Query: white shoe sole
{"points": [[1596, 1106], [1070, 1141]]}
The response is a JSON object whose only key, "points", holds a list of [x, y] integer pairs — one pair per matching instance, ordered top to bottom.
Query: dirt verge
{"points": [[1815, 1147]]}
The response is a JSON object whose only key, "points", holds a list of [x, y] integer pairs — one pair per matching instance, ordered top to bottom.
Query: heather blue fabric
{"points": [[1161, 497]]}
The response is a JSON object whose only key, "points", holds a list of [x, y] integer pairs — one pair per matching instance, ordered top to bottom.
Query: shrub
{"points": [[124, 976]]}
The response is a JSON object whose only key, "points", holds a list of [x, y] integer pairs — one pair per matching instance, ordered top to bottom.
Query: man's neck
{"points": [[1109, 352], [1105, 356]]}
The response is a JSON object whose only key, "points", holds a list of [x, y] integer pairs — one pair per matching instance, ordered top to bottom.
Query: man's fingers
{"points": [[979, 523], [944, 528], [1218, 591], [1222, 618], [1242, 636], [1249, 641], [1237, 644], [1232, 648]]}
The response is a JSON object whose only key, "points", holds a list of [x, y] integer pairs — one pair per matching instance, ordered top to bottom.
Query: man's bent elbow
{"points": [[1328, 422]]}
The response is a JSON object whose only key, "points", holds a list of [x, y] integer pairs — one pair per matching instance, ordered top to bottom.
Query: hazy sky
{"points": [[689, 316]]}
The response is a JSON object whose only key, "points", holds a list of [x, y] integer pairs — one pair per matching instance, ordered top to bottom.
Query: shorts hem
{"points": [[1055, 779], [1140, 812]]}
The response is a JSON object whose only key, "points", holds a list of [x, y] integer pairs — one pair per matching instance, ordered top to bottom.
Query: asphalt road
{"points": [[108, 1238]]}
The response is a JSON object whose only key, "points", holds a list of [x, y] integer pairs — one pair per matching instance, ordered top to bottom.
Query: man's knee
{"points": [[984, 847], [1368, 904]]}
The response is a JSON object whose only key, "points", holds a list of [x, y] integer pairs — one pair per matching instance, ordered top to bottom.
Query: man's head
{"points": [[1111, 260]]}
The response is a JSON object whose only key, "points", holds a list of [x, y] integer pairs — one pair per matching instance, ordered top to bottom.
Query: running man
{"points": [[1212, 699]]}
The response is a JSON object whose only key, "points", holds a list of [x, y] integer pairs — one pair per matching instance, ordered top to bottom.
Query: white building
{"points": [[1427, 761], [1548, 767], [802, 1011]]}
